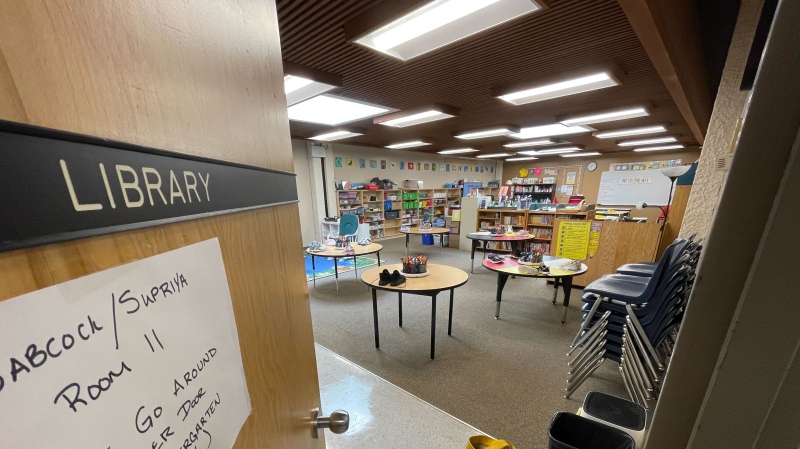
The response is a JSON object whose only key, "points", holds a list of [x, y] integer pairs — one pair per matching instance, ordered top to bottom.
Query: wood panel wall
{"points": [[201, 78], [680, 199]]}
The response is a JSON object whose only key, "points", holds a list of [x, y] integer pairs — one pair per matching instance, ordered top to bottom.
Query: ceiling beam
{"points": [[669, 32]]}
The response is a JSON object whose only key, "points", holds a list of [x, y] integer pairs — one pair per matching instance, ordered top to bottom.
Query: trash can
{"points": [[427, 239], [570, 431]]}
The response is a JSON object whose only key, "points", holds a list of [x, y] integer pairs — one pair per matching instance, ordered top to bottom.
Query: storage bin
{"points": [[392, 215], [427, 239], [570, 431]]}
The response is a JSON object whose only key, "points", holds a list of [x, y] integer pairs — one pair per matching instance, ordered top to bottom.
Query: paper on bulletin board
{"points": [[570, 177], [566, 189], [594, 237], [572, 239], [142, 355]]}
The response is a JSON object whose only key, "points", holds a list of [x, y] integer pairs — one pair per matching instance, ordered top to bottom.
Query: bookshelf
{"points": [[540, 224]]}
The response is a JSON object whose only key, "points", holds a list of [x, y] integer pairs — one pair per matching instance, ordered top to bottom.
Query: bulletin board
{"points": [[570, 175]]}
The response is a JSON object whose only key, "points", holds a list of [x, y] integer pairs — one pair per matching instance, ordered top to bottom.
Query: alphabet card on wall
{"points": [[141, 355]]}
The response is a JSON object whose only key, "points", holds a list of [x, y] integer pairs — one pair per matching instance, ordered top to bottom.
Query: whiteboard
{"points": [[628, 187], [144, 355]]}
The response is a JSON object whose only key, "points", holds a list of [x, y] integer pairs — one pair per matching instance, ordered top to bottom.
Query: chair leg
{"points": [[588, 319], [640, 330], [579, 339], [571, 388]]}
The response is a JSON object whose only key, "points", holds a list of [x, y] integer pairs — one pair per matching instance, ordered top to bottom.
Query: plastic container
{"points": [[427, 239], [570, 431]]}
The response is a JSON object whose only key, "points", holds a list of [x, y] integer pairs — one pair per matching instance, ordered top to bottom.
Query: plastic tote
{"points": [[427, 239], [570, 431]]}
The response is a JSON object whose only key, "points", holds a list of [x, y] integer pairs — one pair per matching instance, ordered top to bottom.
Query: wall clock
{"points": [[591, 166], [523, 172]]}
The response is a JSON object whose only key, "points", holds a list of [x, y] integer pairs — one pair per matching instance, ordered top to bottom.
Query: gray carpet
{"points": [[505, 377]]}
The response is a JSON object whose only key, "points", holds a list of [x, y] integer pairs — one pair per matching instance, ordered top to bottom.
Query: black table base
{"points": [[566, 285]]}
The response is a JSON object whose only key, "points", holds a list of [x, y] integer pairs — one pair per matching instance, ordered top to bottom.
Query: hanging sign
{"points": [[60, 186], [572, 239], [144, 355]]}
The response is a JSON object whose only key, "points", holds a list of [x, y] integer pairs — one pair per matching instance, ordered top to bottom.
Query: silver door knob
{"points": [[338, 422]]}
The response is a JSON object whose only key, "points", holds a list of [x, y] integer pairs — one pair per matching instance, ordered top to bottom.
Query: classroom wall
{"points": [[302, 167], [430, 178]]}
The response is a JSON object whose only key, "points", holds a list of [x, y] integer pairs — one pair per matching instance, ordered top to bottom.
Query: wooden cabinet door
{"points": [[200, 78]]}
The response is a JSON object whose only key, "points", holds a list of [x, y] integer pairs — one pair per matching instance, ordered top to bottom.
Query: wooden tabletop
{"points": [[427, 231], [499, 237], [359, 249], [511, 266], [441, 277]]}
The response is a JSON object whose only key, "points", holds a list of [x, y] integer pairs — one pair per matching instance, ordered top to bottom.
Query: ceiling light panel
{"points": [[439, 23], [301, 83], [561, 89], [331, 110], [621, 114], [418, 115], [416, 119], [554, 129], [495, 131], [630, 132], [337, 135], [640, 142], [528, 143], [412, 144], [659, 148], [458, 151], [550, 151], [588, 153], [481, 156], [519, 159]]}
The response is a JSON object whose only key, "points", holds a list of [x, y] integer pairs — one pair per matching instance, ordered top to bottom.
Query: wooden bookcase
{"points": [[539, 223]]}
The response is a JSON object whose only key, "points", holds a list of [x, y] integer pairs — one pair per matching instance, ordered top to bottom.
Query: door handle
{"points": [[338, 422]]}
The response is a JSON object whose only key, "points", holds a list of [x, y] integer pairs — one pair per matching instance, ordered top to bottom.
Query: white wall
{"points": [[303, 170], [432, 179]]}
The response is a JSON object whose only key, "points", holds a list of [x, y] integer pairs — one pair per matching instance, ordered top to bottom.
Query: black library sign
{"points": [[57, 186]]}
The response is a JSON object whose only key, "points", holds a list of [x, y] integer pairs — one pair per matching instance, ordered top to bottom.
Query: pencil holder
{"points": [[414, 267]]}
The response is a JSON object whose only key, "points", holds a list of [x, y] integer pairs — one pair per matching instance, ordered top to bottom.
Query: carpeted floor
{"points": [[505, 377]]}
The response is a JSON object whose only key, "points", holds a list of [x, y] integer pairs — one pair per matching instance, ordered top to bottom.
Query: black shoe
{"points": [[385, 278], [397, 279]]}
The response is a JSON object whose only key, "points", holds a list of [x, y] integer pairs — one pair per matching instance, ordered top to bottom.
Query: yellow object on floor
{"points": [[484, 442]]}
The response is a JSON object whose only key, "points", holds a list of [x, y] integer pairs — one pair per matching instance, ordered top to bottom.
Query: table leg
{"points": [[407, 236], [441, 242], [472, 256], [379, 257], [355, 266], [314, 271], [336, 272], [501, 283], [566, 284], [555, 289], [400, 306], [375, 316], [450, 317], [433, 325]]}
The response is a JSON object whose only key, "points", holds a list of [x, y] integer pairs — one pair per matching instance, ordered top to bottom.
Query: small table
{"points": [[432, 231], [481, 237], [336, 254], [510, 267], [440, 278]]}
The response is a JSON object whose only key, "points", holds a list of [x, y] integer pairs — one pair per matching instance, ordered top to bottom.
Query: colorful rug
{"points": [[324, 265]]}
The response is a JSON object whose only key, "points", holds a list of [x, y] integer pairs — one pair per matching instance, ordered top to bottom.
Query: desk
{"points": [[432, 231], [481, 237], [336, 254], [510, 267], [441, 277]]}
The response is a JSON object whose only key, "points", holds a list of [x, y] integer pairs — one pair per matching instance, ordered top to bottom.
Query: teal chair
{"points": [[348, 226]]}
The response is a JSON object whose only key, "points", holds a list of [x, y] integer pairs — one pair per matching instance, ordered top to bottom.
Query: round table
{"points": [[432, 231], [482, 237], [336, 254], [510, 267], [440, 278]]}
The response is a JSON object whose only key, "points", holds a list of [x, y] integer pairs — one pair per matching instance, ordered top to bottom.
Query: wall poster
{"points": [[572, 239], [141, 355]]}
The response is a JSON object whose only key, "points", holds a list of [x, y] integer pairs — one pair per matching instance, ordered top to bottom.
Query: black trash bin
{"points": [[570, 431]]}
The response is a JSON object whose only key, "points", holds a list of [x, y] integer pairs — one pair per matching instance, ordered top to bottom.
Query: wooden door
{"points": [[202, 78]]}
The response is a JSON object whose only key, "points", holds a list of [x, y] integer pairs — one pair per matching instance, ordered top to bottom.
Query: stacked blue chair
{"points": [[632, 319]]}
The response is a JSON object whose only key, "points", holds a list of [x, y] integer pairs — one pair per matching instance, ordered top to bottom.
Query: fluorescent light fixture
{"points": [[436, 24], [301, 83], [570, 87], [331, 110], [621, 114], [415, 116], [554, 129], [500, 130], [630, 132], [338, 134], [528, 143], [634, 143], [412, 144], [659, 148], [457, 151], [551, 151], [588, 153], [481, 156], [519, 159]]}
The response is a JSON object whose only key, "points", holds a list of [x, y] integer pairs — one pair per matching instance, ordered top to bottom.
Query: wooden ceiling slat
{"points": [[570, 34]]}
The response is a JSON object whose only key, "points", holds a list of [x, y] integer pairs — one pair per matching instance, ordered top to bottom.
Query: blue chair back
{"points": [[348, 225]]}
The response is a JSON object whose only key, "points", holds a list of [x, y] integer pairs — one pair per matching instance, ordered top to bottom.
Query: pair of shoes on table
{"points": [[424, 226], [405, 228], [523, 233], [365, 241], [330, 242], [316, 246], [349, 251], [517, 254], [494, 258], [572, 265], [527, 269], [395, 279]]}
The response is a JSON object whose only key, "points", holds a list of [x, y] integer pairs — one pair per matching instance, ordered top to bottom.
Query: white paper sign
{"points": [[145, 355]]}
